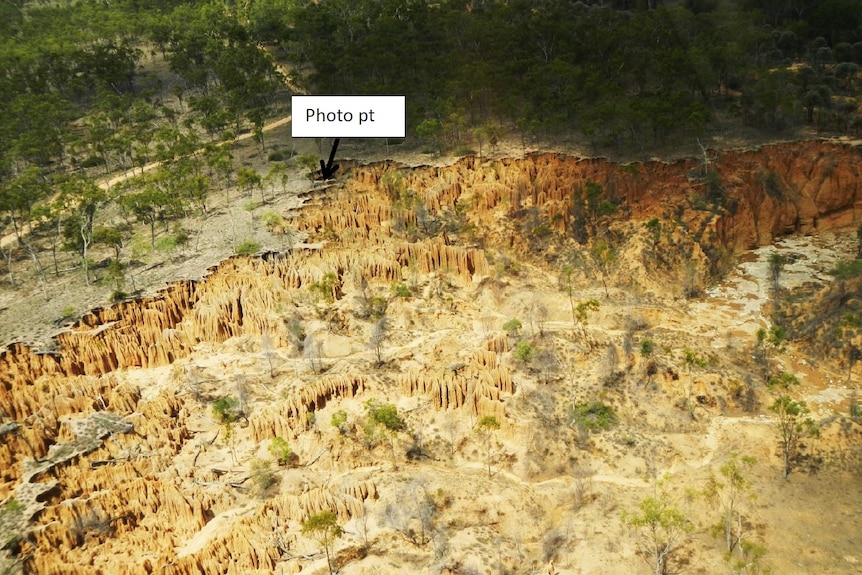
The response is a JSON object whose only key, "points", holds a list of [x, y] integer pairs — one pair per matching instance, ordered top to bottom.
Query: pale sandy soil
{"points": [[504, 523]]}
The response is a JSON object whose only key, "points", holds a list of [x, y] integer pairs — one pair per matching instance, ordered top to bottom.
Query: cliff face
{"points": [[383, 225]]}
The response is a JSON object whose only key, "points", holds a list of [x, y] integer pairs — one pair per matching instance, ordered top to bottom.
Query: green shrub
{"points": [[464, 151], [91, 162], [271, 220], [181, 235], [166, 243], [247, 247], [846, 270], [325, 288], [401, 290], [118, 296], [512, 327], [646, 347], [524, 351], [785, 380], [224, 409], [386, 414], [594, 416], [339, 420], [280, 449], [263, 478]]}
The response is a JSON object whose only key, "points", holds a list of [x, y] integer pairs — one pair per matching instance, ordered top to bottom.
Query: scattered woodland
{"points": [[95, 88]]}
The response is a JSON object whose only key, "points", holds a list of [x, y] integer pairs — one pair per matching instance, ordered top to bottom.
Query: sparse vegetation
{"points": [[339, 421]]}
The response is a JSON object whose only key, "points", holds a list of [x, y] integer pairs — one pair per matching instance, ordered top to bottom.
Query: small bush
{"points": [[278, 156], [91, 162], [272, 220], [181, 235], [166, 243], [247, 247], [847, 269], [326, 287], [401, 290], [118, 296], [512, 327], [646, 347], [524, 351], [785, 380], [224, 410], [386, 414], [594, 416], [339, 421], [280, 449], [263, 478]]}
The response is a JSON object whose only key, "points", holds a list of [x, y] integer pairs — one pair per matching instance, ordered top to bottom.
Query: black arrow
{"points": [[328, 170]]}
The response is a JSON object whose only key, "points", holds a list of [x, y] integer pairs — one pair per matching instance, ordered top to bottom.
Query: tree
{"points": [[248, 179], [83, 197], [148, 206], [112, 236], [605, 258], [776, 265], [512, 327], [379, 335], [768, 342], [524, 351], [267, 352], [225, 413], [386, 414], [383, 415], [793, 424], [485, 427], [730, 492], [412, 513], [323, 527], [661, 529]]}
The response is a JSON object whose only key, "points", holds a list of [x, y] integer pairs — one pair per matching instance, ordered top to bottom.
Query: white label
{"points": [[348, 116]]}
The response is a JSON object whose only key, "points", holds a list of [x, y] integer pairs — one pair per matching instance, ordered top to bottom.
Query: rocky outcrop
{"points": [[481, 386], [288, 418]]}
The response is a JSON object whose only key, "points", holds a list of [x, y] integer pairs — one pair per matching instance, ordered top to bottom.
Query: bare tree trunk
{"points": [[86, 242], [7, 255], [39, 270]]}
